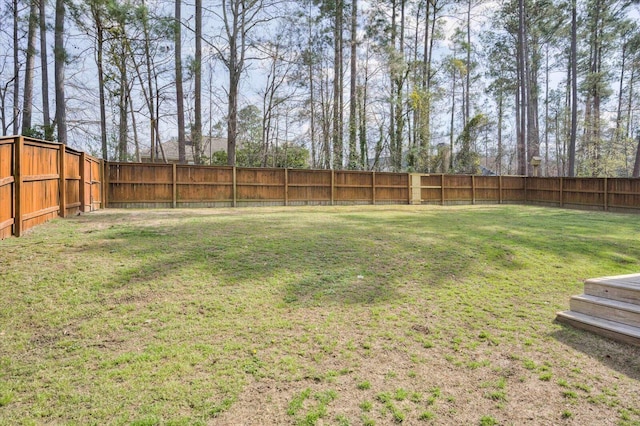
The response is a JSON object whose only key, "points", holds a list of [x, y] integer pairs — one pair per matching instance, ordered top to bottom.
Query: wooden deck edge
{"points": [[622, 281], [566, 317]]}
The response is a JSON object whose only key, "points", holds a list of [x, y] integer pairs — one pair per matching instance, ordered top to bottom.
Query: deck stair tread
{"points": [[611, 303], [610, 306], [600, 323]]}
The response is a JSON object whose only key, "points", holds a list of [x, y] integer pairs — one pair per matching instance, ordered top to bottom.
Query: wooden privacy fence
{"points": [[42, 180], [171, 185], [605, 194]]}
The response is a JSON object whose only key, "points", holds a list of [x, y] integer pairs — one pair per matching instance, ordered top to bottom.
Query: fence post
{"points": [[62, 170], [17, 181], [174, 181], [83, 182], [105, 184], [333, 186], [286, 187], [373, 187], [235, 188], [415, 188], [442, 189], [500, 189], [473, 190], [561, 191], [606, 195], [526, 197]]}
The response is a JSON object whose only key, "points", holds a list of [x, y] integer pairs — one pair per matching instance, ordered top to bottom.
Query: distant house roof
{"points": [[210, 145]]}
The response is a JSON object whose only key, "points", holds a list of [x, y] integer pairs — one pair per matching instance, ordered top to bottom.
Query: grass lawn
{"points": [[325, 315]]}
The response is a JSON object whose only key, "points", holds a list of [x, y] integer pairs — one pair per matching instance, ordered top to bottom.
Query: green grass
{"points": [[184, 317]]}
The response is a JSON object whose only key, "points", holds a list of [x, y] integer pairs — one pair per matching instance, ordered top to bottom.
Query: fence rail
{"points": [[41, 180]]}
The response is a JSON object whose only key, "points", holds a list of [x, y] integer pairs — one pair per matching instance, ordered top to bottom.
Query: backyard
{"points": [[356, 315]]}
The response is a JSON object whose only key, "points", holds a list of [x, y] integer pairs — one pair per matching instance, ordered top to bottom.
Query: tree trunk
{"points": [[97, 17], [60, 57], [44, 65], [16, 69], [531, 73], [392, 77], [400, 77], [522, 80], [337, 87], [179, 91], [574, 92], [151, 95], [467, 100], [27, 104], [123, 104], [546, 112], [326, 113], [3, 114], [362, 116], [500, 118], [312, 124], [232, 125], [134, 127], [353, 127], [196, 132], [627, 133], [617, 134], [636, 164], [449, 166]]}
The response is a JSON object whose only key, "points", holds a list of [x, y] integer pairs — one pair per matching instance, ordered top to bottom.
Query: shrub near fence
{"points": [[42, 180]]}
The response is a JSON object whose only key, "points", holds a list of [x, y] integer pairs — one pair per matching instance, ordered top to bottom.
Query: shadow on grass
{"points": [[350, 257], [307, 265], [621, 357]]}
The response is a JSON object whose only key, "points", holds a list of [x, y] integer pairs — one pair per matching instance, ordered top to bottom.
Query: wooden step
{"points": [[625, 288], [601, 307], [611, 329]]}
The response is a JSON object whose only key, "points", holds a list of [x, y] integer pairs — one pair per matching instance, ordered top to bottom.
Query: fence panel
{"points": [[40, 176], [72, 177], [93, 184], [138, 184], [204, 186], [266, 186], [7, 187], [309, 187], [352, 187], [391, 188], [431, 189], [458, 189], [487, 189], [513, 189], [544, 190], [584, 193], [624, 194]]}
